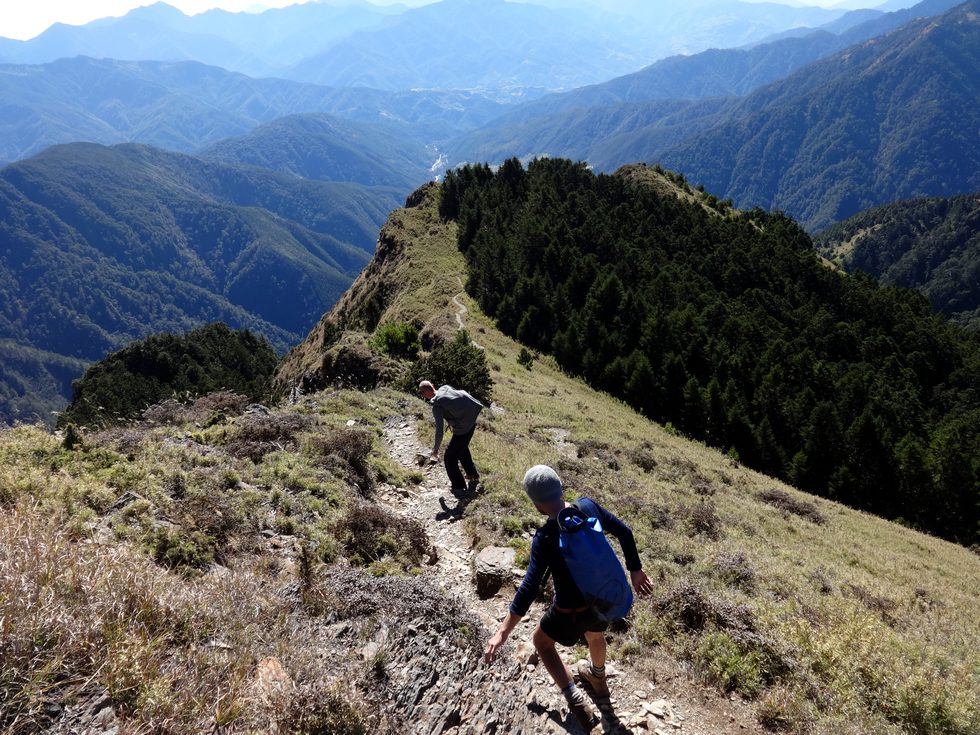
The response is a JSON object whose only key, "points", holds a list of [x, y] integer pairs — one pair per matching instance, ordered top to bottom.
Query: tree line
{"points": [[729, 326]]}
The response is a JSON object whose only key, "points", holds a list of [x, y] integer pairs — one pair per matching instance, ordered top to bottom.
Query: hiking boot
{"points": [[472, 484], [597, 684], [580, 707]]}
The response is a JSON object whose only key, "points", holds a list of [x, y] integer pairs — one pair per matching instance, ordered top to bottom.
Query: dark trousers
{"points": [[458, 452]]}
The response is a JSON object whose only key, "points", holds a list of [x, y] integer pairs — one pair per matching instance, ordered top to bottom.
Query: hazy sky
{"points": [[24, 19]]}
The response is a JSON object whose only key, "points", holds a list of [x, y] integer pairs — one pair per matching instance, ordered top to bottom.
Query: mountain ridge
{"points": [[99, 246]]}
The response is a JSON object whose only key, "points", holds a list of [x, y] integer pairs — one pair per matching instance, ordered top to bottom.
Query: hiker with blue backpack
{"points": [[590, 586]]}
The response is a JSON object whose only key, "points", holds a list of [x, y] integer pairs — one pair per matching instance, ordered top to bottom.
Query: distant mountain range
{"points": [[258, 44], [501, 47], [183, 106], [892, 117], [327, 148], [932, 245], [100, 246]]}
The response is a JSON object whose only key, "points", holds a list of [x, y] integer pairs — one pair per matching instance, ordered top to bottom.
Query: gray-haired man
{"points": [[460, 410]]}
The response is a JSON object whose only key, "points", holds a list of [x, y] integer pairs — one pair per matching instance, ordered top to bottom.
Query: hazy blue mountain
{"points": [[670, 27], [253, 43], [475, 44], [503, 46], [183, 106], [885, 119], [532, 127], [328, 148], [932, 245], [100, 246]]}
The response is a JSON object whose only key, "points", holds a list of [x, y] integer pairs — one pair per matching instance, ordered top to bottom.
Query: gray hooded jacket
{"points": [[458, 408]]}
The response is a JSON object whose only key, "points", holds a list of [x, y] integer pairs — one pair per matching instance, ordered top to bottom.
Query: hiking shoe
{"points": [[472, 484], [597, 684], [583, 713]]}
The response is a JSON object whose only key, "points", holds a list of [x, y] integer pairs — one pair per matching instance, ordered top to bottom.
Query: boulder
{"points": [[493, 569]]}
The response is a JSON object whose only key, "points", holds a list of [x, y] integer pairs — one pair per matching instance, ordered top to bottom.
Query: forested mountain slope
{"points": [[183, 106], [889, 119], [328, 148], [932, 245], [99, 246], [728, 325]]}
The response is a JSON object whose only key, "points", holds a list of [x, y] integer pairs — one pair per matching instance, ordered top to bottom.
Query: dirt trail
{"points": [[461, 311], [670, 705]]}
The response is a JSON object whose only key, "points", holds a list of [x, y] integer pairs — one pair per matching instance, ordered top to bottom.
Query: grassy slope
{"points": [[874, 621]]}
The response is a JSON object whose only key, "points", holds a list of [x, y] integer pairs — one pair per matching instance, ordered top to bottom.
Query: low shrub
{"points": [[398, 339], [258, 434], [346, 451], [642, 459], [788, 504], [704, 520], [371, 533], [177, 549], [735, 570], [688, 607], [728, 665], [783, 710], [317, 711]]}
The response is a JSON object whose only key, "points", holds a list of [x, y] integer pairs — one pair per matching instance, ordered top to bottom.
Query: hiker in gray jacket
{"points": [[460, 410]]}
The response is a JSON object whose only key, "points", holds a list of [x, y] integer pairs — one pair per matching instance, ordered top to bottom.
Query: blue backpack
{"points": [[593, 563]]}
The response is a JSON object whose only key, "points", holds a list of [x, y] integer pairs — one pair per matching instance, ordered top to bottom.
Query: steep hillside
{"points": [[183, 106], [886, 120], [328, 148], [932, 245], [99, 246], [727, 325], [292, 569], [808, 575]]}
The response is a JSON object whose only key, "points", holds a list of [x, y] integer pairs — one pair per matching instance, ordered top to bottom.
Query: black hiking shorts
{"points": [[568, 628]]}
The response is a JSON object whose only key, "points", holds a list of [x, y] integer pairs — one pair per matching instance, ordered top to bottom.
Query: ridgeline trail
{"points": [[515, 693]]}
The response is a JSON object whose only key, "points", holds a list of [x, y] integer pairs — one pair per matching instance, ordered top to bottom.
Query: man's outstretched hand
{"points": [[641, 582], [493, 645]]}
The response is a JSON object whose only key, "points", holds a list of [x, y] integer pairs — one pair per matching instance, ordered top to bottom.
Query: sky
{"points": [[23, 19]]}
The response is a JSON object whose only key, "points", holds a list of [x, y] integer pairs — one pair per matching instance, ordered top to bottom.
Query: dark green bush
{"points": [[398, 339], [459, 364], [148, 371], [176, 549]]}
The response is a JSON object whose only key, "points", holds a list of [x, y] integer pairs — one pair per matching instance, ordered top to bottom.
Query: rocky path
{"points": [[516, 682], [515, 695]]}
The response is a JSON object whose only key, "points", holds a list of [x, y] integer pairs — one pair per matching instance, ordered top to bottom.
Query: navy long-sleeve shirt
{"points": [[546, 556]]}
